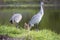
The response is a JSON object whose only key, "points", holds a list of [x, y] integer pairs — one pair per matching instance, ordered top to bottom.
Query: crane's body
{"points": [[16, 18], [37, 18]]}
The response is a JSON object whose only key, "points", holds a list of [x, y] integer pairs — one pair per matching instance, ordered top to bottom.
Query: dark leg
{"points": [[17, 25], [37, 29]]}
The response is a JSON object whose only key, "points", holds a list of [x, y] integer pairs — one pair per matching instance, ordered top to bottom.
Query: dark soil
{"points": [[5, 37]]}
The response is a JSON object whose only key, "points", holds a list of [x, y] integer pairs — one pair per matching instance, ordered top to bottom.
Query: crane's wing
{"points": [[36, 15], [33, 16], [35, 19]]}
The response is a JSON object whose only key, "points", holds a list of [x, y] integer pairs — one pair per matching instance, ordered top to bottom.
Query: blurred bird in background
{"points": [[15, 19]]}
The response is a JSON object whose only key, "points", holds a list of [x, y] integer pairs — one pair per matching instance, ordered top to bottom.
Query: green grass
{"points": [[11, 31], [43, 34]]}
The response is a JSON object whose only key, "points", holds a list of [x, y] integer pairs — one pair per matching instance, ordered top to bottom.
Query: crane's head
{"points": [[42, 3]]}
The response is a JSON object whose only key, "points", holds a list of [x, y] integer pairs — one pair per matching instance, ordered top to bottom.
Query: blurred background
{"points": [[50, 20]]}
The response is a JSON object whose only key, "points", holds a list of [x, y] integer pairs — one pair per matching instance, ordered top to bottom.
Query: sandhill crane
{"points": [[36, 18], [15, 19]]}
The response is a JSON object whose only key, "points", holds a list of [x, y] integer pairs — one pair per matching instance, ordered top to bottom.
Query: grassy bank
{"points": [[43, 34]]}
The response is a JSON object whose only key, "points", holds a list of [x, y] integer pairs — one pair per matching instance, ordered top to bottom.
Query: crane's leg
{"points": [[17, 25], [37, 29]]}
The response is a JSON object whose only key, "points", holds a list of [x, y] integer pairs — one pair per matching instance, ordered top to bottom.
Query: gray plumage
{"points": [[37, 18], [15, 19]]}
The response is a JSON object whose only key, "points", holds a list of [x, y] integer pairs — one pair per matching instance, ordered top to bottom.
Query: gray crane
{"points": [[36, 18], [15, 19]]}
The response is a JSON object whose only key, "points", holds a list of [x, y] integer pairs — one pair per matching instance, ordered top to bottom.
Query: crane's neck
{"points": [[42, 10]]}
